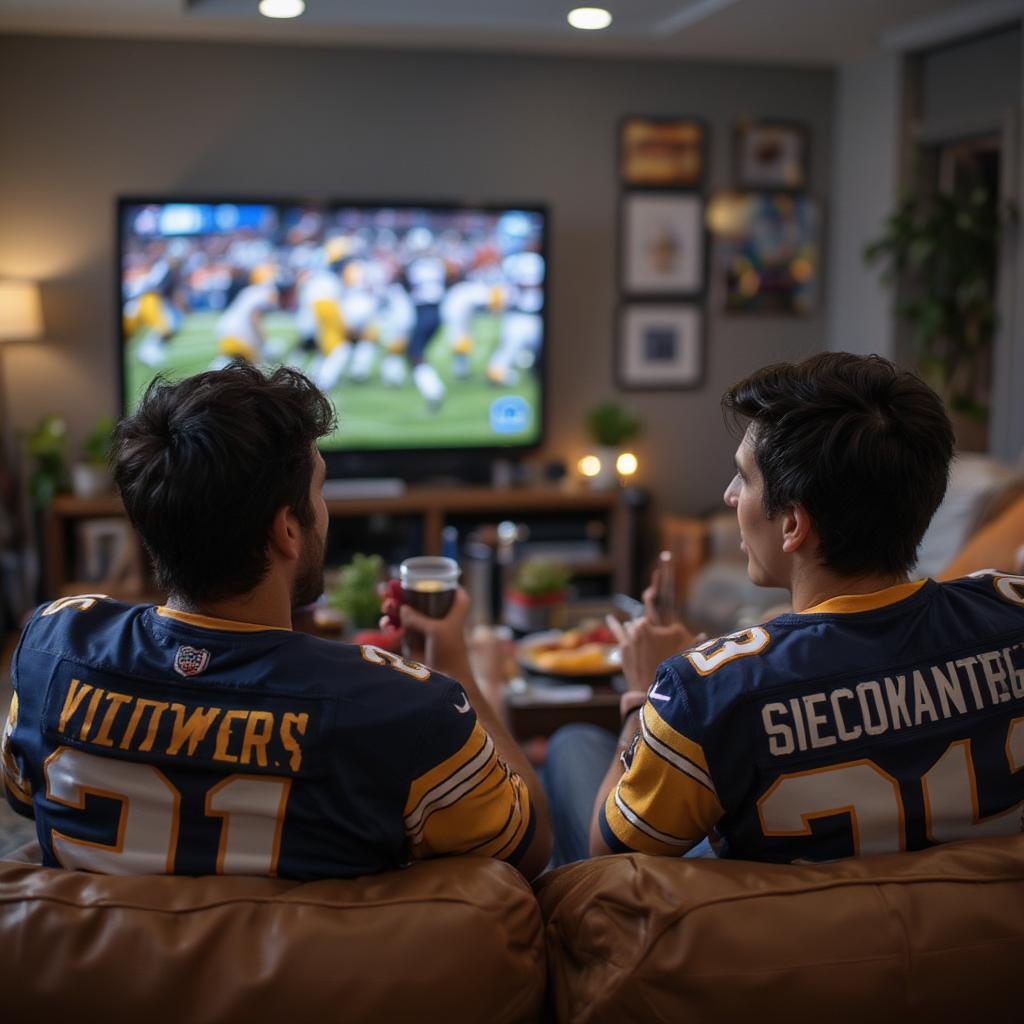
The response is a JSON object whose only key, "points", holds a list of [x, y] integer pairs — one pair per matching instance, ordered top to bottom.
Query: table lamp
{"points": [[21, 319]]}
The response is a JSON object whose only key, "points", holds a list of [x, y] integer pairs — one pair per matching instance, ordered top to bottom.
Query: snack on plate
{"points": [[589, 632], [586, 659]]}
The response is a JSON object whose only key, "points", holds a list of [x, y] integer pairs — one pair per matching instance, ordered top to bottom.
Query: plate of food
{"points": [[588, 650]]}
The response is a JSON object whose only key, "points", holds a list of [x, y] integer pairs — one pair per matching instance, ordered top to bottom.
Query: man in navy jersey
{"points": [[880, 714], [205, 736]]}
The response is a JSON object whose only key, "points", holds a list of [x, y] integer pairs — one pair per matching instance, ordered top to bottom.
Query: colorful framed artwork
{"points": [[657, 152], [771, 155], [662, 250], [767, 251], [660, 345]]}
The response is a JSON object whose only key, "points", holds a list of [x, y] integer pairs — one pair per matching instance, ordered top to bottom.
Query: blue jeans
{"points": [[577, 760]]}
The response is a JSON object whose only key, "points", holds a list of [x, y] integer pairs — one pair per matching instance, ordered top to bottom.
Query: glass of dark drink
{"points": [[428, 584]]}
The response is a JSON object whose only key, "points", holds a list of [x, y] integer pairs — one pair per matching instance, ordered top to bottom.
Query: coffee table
{"points": [[537, 705]]}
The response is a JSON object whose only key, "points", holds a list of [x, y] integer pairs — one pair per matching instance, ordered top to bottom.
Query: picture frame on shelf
{"points": [[661, 152], [771, 155], [662, 244], [767, 251], [660, 345]]}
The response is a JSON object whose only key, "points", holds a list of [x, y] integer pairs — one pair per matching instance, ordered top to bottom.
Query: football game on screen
{"points": [[424, 325]]}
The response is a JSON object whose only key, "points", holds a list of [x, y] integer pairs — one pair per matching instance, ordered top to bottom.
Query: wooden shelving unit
{"points": [[435, 506]]}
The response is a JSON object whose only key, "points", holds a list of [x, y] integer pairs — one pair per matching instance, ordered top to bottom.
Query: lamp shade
{"points": [[21, 317]]}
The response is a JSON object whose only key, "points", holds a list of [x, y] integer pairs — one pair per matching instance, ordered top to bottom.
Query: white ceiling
{"points": [[791, 31]]}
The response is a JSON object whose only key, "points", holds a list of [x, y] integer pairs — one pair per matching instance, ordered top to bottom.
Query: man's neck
{"points": [[812, 587], [259, 607]]}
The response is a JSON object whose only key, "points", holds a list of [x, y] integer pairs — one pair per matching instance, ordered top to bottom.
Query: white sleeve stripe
{"points": [[676, 759], [414, 818], [638, 823], [416, 835]]}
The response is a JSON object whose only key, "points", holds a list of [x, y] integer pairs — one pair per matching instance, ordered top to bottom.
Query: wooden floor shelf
{"points": [[434, 507]]}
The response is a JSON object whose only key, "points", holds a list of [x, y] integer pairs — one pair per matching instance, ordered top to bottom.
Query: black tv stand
{"points": [[424, 469]]}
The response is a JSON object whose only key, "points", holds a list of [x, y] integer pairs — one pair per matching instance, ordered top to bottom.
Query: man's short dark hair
{"points": [[863, 446], [203, 465]]}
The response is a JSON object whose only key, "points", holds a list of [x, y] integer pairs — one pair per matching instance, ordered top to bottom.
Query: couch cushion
{"points": [[936, 935], [443, 940]]}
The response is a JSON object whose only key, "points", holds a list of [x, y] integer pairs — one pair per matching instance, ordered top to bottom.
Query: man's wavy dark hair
{"points": [[862, 445], [203, 465]]}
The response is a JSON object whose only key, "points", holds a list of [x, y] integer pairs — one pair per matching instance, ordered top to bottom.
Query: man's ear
{"points": [[796, 528], [285, 533]]}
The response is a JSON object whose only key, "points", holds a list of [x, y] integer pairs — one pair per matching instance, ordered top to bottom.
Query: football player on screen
{"points": [[426, 277], [156, 302], [463, 302], [319, 319], [522, 327], [239, 329], [881, 714], [205, 736]]}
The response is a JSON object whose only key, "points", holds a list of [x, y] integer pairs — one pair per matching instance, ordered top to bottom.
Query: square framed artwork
{"points": [[660, 152], [771, 155], [662, 248], [767, 248], [659, 346]]}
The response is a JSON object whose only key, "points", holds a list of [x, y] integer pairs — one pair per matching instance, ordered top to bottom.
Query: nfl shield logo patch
{"points": [[190, 661]]}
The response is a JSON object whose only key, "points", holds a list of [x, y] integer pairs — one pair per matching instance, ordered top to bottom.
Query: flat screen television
{"points": [[424, 323]]}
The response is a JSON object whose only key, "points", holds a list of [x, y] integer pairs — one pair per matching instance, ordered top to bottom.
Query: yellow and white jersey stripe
{"points": [[15, 784], [666, 801], [472, 802]]}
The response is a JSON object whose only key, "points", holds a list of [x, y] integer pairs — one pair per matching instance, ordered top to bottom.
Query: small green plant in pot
{"points": [[611, 426], [46, 447], [90, 476], [356, 593], [535, 599]]}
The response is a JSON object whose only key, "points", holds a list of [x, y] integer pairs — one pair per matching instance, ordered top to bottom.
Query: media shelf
{"points": [[429, 509]]}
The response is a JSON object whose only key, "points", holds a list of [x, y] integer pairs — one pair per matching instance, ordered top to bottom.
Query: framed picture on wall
{"points": [[658, 152], [771, 155], [661, 244], [767, 251], [660, 345]]}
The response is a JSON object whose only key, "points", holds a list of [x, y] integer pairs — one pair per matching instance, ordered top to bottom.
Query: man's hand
{"points": [[444, 639], [646, 642], [645, 646]]}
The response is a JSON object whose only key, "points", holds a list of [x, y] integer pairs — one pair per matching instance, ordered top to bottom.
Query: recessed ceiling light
{"points": [[281, 8], [591, 18]]}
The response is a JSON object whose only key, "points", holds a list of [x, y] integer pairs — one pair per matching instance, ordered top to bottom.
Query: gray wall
{"points": [[82, 121], [865, 181]]}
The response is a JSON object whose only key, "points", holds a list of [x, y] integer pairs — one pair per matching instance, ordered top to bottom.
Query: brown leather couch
{"points": [[931, 936], [444, 940]]}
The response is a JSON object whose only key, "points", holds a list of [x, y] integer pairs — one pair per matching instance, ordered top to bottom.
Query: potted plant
{"points": [[944, 251], [610, 426], [46, 447], [90, 475], [356, 594], [535, 599]]}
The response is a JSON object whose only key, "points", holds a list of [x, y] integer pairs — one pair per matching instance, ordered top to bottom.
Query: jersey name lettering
{"points": [[876, 707], [122, 721]]}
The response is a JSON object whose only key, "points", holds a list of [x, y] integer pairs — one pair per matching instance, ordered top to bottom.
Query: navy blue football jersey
{"points": [[868, 724], [144, 741]]}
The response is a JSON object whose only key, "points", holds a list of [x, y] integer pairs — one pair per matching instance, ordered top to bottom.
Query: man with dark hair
{"points": [[880, 714], [205, 735]]}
